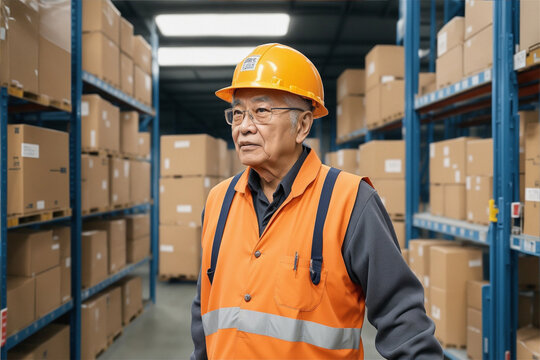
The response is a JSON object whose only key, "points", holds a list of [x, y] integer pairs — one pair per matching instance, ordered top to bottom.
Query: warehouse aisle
{"points": [[163, 331]]}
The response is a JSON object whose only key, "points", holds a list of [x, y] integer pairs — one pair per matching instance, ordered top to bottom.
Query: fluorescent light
{"points": [[223, 24], [202, 56]]}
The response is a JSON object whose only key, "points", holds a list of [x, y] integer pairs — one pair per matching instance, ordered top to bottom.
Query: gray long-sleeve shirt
{"points": [[394, 297]]}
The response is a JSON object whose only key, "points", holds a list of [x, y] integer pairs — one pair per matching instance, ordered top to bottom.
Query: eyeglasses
{"points": [[259, 116]]}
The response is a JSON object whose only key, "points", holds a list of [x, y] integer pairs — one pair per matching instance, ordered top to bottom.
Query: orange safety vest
{"points": [[265, 298]]}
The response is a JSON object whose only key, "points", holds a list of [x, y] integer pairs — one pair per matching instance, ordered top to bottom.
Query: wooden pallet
{"points": [[40, 99], [394, 117], [100, 152], [120, 206], [96, 210], [397, 217], [16, 220], [177, 277], [135, 316], [113, 338], [451, 346]]}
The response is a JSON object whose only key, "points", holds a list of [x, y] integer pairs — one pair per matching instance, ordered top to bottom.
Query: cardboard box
{"points": [[101, 15], [478, 15], [529, 27], [452, 34], [126, 37], [20, 46], [478, 52], [142, 55], [101, 57], [384, 61], [54, 67], [449, 67], [126, 75], [425, 80], [351, 82], [142, 86], [392, 100], [373, 107], [351, 115], [526, 117], [100, 124], [129, 132], [532, 139], [143, 144], [315, 145], [188, 155], [480, 157], [224, 159], [344, 159], [382, 159], [448, 161], [236, 164], [38, 169], [120, 180], [140, 181], [94, 182], [479, 190], [392, 193], [532, 198], [436, 199], [181, 200], [455, 201], [137, 225], [399, 228], [62, 235], [116, 241], [138, 249], [180, 250], [30, 252], [94, 257], [419, 258], [528, 272], [65, 279], [48, 291], [474, 294], [21, 295], [131, 297], [528, 308], [114, 311], [93, 326], [474, 334], [522, 335], [51, 342], [529, 349]]}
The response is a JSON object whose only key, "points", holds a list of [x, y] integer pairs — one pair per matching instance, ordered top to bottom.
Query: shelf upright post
{"points": [[411, 121], [505, 172], [75, 176], [3, 204], [154, 262]]}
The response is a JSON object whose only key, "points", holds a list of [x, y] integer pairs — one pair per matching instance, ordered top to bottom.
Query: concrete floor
{"points": [[163, 330]]}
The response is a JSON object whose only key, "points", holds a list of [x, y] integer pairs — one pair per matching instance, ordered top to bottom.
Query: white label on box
{"points": [[469, 29], [2, 33], [441, 43], [520, 59], [371, 68], [387, 78], [130, 79], [147, 82], [85, 108], [104, 115], [107, 124], [93, 138], [141, 141], [181, 144], [521, 149], [30, 150], [431, 150], [446, 151], [340, 158], [471, 158], [446, 162], [91, 163], [167, 163], [392, 165], [126, 168], [116, 173], [457, 176], [206, 182], [468, 182], [104, 184], [162, 189], [532, 194], [115, 198], [40, 204], [183, 208], [470, 216], [55, 247], [166, 248], [420, 250], [98, 256], [68, 262], [475, 263], [426, 281], [435, 312]]}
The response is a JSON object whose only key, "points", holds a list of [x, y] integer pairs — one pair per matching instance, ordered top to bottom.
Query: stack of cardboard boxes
{"points": [[112, 53], [385, 87], [351, 102], [344, 159], [383, 161], [190, 167], [532, 176], [479, 180], [137, 237], [474, 319], [528, 335]]}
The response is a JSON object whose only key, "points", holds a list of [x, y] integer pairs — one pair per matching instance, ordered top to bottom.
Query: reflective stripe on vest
{"points": [[282, 328]]}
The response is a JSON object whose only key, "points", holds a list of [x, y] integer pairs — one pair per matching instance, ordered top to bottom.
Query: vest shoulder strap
{"points": [[224, 213]]}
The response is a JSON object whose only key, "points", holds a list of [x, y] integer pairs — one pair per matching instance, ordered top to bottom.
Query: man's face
{"points": [[262, 144]]}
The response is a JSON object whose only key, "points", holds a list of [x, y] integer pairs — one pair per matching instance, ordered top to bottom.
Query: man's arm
{"points": [[394, 296], [197, 330]]}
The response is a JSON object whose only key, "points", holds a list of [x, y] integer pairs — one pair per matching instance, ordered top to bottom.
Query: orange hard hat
{"points": [[279, 67]]}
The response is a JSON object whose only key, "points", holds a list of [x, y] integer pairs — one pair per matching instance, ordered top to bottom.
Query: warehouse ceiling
{"points": [[335, 35]]}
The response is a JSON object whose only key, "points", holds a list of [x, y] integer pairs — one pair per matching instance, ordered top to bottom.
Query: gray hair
{"points": [[296, 101]]}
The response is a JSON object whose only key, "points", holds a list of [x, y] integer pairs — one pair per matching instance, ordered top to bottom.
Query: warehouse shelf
{"points": [[110, 91], [21, 101], [365, 132], [112, 212], [44, 222], [458, 228], [525, 244], [86, 293], [31, 329], [455, 354]]}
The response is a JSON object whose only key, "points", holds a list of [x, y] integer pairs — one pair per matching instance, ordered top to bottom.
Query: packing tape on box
{"points": [[55, 22]]}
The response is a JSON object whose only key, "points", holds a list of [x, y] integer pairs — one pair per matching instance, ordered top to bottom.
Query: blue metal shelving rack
{"points": [[502, 90], [149, 121]]}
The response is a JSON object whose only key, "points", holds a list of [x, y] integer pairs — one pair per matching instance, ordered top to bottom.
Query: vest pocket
{"points": [[294, 288]]}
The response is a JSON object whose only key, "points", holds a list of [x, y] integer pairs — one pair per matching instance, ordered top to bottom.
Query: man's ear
{"points": [[303, 126]]}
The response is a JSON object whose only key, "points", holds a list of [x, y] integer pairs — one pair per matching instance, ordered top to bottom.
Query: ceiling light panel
{"points": [[202, 56]]}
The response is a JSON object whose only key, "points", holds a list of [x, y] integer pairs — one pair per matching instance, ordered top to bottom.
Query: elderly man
{"points": [[294, 251]]}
